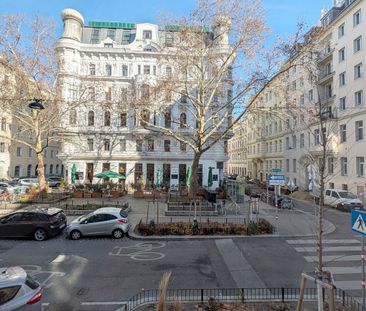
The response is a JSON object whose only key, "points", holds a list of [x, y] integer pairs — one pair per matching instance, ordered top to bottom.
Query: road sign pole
{"points": [[363, 273]]}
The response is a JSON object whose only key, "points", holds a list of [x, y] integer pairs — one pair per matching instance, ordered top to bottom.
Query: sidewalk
{"points": [[287, 223]]}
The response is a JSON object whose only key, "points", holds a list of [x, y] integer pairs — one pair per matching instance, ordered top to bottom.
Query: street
{"points": [[101, 273]]}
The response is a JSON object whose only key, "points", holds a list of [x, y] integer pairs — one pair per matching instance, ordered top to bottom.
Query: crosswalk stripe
{"points": [[340, 241], [329, 249], [333, 258], [344, 270], [349, 285]]}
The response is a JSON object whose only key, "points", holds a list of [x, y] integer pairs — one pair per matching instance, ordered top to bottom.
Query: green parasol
{"points": [[73, 173], [110, 174], [188, 176], [158, 177], [209, 181]]}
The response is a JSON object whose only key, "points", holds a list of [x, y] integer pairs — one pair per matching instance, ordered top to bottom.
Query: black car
{"points": [[36, 222]]}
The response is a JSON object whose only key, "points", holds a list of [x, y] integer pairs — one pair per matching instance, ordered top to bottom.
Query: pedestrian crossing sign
{"points": [[359, 222]]}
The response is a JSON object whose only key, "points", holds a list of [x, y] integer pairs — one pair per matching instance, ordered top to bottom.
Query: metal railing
{"points": [[236, 295]]}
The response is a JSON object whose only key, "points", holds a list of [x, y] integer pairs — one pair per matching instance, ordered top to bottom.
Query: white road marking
{"points": [[340, 241], [329, 249], [141, 251], [59, 258], [334, 258], [344, 270], [349, 285], [103, 303]]}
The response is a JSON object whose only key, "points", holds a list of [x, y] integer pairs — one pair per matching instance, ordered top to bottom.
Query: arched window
{"points": [[92, 69], [145, 92], [73, 116], [145, 117], [91, 118], [107, 118], [168, 118], [183, 120], [51, 169], [57, 169], [29, 170], [17, 171]]}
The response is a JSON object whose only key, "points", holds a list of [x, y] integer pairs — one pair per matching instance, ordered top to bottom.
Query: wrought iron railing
{"points": [[236, 295]]}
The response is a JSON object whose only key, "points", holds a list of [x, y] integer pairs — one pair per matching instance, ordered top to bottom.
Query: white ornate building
{"points": [[98, 63]]}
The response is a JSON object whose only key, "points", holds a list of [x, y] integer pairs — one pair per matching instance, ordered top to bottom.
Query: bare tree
{"points": [[29, 67], [197, 74]]}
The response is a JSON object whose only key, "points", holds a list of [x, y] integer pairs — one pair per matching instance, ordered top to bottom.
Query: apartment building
{"points": [[100, 61], [285, 132], [16, 158], [237, 163]]}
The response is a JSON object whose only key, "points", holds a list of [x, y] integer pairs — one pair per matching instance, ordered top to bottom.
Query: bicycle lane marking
{"points": [[142, 251]]}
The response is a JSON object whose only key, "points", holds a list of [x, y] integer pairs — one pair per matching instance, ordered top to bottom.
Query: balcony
{"points": [[325, 55], [325, 76]]}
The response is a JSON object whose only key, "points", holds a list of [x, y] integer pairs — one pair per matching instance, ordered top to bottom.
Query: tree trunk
{"points": [[39, 153], [193, 182]]}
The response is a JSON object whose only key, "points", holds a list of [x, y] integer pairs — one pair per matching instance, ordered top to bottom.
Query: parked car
{"points": [[54, 181], [29, 182], [12, 187], [340, 199], [103, 221], [39, 223], [18, 290]]}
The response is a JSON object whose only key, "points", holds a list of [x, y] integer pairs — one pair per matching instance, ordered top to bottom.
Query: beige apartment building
{"points": [[283, 129], [16, 159]]}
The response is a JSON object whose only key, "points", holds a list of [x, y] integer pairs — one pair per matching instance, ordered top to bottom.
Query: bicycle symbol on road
{"points": [[141, 251]]}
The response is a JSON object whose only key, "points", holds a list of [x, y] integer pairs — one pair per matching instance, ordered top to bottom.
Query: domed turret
{"points": [[73, 24], [221, 28]]}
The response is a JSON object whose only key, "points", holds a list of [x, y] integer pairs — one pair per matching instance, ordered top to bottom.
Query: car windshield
{"points": [[347, 195], [82, 218]]}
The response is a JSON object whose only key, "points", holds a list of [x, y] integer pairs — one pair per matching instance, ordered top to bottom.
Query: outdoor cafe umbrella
{"points": [[73, 173], [110, 174], [188, 176], [158, 177], [209, 181]]}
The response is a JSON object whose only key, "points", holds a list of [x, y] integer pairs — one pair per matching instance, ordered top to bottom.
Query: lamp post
{"points": [[36, 106]]}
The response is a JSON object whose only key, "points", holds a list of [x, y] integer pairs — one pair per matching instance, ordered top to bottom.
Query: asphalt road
{"points": [[102, 273]]}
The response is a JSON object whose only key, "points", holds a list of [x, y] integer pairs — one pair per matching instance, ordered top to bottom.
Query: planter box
{"points": [[78, 194], [116, 194], [138, 194], [87, 195], [96, 195]]}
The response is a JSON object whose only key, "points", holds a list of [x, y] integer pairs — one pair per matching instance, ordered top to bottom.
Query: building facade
{"points": [[98, 64], [285, 132], [16, 159]]}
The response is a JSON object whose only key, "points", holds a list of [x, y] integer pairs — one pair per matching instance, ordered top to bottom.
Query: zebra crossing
{"points": [[341, 257]]}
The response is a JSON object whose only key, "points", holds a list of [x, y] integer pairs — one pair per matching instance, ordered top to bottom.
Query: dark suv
{"points": [[39, 223]]}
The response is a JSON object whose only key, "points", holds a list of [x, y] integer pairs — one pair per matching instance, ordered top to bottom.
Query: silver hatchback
{"points": [[103, 221], [18, 290]]}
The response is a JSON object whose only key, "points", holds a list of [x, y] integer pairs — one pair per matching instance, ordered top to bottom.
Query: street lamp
{"points": [[36, 104]]}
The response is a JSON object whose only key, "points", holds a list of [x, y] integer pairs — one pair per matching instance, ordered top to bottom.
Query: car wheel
{"points": [[118, 233], [40, 234], [75, 235]]}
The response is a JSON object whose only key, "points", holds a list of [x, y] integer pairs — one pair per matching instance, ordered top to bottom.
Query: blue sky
{"points": [[281, 15]]}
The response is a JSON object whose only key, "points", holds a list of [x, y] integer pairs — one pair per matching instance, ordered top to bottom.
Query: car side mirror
{"points": [[84, 222]]}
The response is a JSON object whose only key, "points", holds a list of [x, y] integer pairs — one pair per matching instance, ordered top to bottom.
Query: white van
{"points": [[342, 200]]}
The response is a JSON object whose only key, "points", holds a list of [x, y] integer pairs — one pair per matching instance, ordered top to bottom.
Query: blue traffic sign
{"points": [[276, 180], [358, 222]]}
